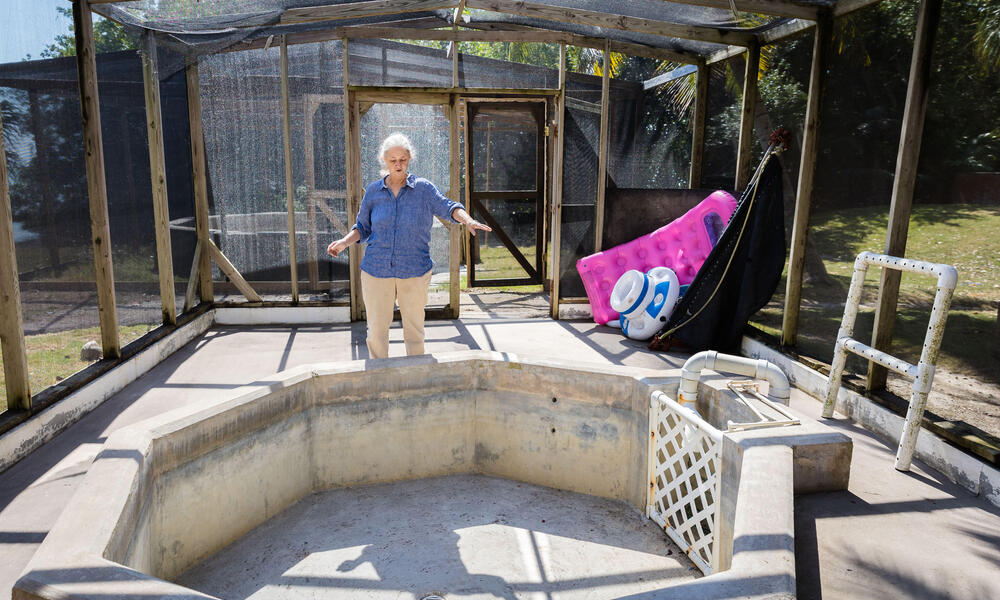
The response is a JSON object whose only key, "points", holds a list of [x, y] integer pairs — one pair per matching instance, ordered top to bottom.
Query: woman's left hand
{"points": [[473, 225]]}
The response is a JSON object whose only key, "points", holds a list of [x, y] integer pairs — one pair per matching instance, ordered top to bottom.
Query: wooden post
{"points": [[917, 94], [747, 117], [698, 125], [286, 127], [352, 149], [602, 157], [199, 168], [807, 172], [158, 176], [557, 176], [97, 187], [454, 231], [470, 260], [15, 358]]}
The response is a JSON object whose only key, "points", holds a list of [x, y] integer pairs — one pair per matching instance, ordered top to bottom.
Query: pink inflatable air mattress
{"points": [[683, 245]]}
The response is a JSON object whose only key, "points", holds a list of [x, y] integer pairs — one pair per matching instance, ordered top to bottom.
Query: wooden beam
{"points": [[778, 8], [356, 10], [613, 21], [798, 26], [481, 32], [595, 42], [453, 45], [725, 54], [400, 96], [698, 127], [286, 129], [747, 136], [602, 150], [352, 152], [199, 173], [807, 174], [158, 176], [904, 183], [97, 187], [557, 189], [338, 225], [454, 231], [466, 238], [232, 273], [192, 283], [15, 357]]}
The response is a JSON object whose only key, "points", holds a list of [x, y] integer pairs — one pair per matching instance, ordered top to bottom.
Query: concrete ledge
{"points": [[282, 315], [42, 427], [961, 468]]}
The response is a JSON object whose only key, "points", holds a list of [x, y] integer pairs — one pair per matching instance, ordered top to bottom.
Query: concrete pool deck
{"points": [[890, 535]]}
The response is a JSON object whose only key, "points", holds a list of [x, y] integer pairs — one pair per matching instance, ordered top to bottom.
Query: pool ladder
{"points": [[921, 373]]}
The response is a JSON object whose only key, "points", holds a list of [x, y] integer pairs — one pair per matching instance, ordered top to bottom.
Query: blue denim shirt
{"points": [[398, 229]]}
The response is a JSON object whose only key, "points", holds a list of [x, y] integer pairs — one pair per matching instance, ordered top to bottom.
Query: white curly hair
{"points": [[396, 140]]}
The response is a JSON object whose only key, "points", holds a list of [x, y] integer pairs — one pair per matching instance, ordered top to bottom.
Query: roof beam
{"points": [[778, 8], [355, 10], [613, 21], [793, 28], [519, 34], [725, 54]]}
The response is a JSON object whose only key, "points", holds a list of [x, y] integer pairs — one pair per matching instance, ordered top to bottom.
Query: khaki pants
{"points": [[380, 295]]}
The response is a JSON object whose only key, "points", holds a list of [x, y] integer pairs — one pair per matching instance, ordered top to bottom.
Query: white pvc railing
{"points": [[921, 373], [685, 456]]}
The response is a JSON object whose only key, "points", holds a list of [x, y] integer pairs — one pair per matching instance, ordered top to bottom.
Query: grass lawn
{"points": [[966, 236], [53, 357]]}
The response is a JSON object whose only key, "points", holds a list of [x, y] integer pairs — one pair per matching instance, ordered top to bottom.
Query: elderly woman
{"points": [[395, 220]]}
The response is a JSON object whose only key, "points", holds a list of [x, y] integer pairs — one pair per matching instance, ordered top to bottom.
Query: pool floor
{"points": [[464, 536]]}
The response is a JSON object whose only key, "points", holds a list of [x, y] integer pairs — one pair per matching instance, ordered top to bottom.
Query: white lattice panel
{"points": [[685, 453]]}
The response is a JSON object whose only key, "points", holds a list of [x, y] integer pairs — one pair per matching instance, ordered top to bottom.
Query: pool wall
{"points": [[170, 491]]}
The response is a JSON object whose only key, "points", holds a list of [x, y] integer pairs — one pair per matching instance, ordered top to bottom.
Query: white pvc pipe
{"points": [[756, 368], [923, 372]]}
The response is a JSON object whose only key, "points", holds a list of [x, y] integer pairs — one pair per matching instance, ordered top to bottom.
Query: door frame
{"points": [[361, 98], [539, 106]]}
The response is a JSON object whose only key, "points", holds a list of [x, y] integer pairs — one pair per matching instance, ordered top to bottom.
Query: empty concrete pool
{"points": [[469, 475]]}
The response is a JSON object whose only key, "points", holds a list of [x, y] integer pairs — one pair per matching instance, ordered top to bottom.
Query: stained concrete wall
{"points": [[223, 470], [168, 492]]}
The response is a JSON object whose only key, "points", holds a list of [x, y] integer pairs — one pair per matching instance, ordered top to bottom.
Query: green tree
{"points": [[108, 37]]}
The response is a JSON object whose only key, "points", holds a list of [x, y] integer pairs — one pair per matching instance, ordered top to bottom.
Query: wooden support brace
{"points": [[698, 126], [286, 128], [747, 136], [352, 151], [602, 157], [199, 173], [807, 173], [158, 176], [904, 184], [97, 187], [557, 189], [338, 225], [454, 231], [230, 271], [192, 283], [15, 357]]}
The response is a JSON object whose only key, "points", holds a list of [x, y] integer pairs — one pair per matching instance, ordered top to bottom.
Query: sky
{"points": [[28, 26]]}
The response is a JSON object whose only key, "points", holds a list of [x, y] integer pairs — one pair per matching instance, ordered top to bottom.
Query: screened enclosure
{"points": [[236, 139]]}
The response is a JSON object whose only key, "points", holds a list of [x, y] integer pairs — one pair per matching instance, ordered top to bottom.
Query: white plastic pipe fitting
{"points": [[739, 365]]}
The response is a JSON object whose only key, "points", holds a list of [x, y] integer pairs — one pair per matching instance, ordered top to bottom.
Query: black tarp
{"points": [[738, 277]]}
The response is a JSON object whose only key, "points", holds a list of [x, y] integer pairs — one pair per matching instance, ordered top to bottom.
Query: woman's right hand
{"points": [[338, 246]]}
